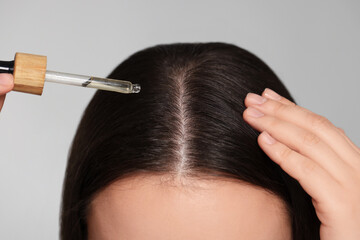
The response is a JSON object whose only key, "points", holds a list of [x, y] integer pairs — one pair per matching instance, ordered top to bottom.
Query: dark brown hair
{"points": [[187, 118]]}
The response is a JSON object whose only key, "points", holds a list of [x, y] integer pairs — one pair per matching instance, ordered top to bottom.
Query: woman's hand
{"points": [[6, 85], [317, 154]]}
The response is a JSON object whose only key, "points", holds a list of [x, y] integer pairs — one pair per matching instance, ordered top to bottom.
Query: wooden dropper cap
{"points": [[29, 73]]}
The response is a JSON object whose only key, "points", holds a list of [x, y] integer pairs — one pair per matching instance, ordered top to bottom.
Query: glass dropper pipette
{"points": [[30, 73]]}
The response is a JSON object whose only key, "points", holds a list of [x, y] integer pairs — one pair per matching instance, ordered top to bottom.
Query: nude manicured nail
{"points": [[271, 94], [255, 99], [254, 112], [268, 139]]}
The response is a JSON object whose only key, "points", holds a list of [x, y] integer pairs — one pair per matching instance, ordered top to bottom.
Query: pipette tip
{"points": [[136, 88]]}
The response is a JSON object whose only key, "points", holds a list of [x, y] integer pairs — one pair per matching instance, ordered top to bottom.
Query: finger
{"points": [[6, 83], [270, 94], [308, 120], [342, 132], [300, 140], [311, 176]]}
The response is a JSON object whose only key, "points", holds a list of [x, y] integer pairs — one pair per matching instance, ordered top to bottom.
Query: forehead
{"points": [[152, 207]]}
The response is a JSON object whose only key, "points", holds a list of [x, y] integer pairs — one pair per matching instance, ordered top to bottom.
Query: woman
{"points": [[184, 158]]}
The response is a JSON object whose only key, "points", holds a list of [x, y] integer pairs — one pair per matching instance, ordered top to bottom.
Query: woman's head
{"points": [[177, 161]]}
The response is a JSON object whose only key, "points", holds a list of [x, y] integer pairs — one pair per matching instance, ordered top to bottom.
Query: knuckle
{"points": [[292, 104], [279, 109], [319, 122], [273, 123], [341, 130], [310, 139], [285, 154], [308, 167]]}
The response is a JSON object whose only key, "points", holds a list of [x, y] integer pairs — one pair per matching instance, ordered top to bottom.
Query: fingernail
{"points": [[271, 94], [255, 99], [254, 112], [268, 139]]}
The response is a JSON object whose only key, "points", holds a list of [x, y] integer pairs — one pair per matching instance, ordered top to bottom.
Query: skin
{"points": [[6, 85], [305, 145], [154, 207]]}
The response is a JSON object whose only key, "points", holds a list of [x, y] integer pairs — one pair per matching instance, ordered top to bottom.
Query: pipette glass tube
{"points": [[107, 84]]}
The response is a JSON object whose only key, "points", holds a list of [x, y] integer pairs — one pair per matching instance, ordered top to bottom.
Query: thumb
{"points": [[6, 83]]}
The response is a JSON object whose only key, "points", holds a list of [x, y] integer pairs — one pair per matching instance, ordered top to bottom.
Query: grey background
{"points": [[313, 46]]}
